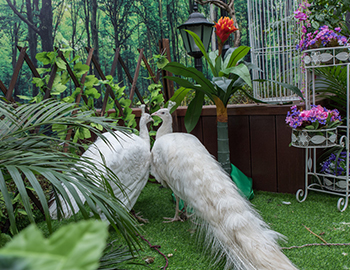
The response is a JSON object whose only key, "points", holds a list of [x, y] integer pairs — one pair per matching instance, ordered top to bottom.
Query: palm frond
{"points": [[332, 83], [29, 158]]}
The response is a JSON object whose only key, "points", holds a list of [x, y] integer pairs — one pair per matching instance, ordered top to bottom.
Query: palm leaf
{"points": [[332, 83], [28, 153]]}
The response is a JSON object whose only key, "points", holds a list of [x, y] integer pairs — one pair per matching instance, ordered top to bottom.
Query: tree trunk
{"points": [[45, 30], [15, 40], [32, 41], [222, 134]]}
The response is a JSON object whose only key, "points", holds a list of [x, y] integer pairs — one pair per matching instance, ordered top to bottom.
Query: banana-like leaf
{"points": [[237, 55], [241, 71], [190, 72], [222, 82], [194, 111], [77, 246]]}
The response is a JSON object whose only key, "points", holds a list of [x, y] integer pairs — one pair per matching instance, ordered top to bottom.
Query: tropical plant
{"points": [[230, 74], [331, 83], [29, 158], [74, 246]]}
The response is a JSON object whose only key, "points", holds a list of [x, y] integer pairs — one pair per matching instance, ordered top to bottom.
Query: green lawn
{"points": [[318, 212]]}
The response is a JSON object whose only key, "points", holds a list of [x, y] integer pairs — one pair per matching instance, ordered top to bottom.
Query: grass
{"points": [[319, 213], [178, 240]]}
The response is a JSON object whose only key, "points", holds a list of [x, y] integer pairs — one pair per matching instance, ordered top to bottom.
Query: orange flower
{"points": [[224, 27]]}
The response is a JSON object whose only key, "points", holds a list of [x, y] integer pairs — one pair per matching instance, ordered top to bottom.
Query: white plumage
{"points": [[128, 156], [233, 227]]}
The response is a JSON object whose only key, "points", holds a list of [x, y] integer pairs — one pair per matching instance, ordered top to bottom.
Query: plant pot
{"points": [[314, 138]]}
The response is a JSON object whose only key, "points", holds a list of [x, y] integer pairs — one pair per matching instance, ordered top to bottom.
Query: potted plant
{"points": [[230, 74], [313, 128], [335, 170]]}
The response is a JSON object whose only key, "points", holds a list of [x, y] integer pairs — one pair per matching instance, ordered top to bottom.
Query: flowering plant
{"points": [[224, 27], [322, 37], [317, 117], [335, 164]]}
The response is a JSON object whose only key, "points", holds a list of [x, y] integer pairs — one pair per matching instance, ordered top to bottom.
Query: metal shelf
{"points": [[315, 181]]}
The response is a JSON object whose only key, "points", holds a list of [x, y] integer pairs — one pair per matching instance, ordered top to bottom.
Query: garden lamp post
{"points": [[198, 24]]}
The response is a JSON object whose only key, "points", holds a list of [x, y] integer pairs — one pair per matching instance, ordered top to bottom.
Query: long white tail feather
{"points": [[232, 226]]}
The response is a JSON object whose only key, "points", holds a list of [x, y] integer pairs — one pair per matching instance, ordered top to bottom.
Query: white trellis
{"points": [[273, 34]]}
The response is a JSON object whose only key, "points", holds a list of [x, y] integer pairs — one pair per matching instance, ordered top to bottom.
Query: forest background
{"points": [[103, 25]]}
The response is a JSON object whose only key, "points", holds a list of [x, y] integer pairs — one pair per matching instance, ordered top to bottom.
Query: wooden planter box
{"points": [[259, 144]]}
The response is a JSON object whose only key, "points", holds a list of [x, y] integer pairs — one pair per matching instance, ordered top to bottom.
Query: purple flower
{"points": [[317, 114], [335, 165]]}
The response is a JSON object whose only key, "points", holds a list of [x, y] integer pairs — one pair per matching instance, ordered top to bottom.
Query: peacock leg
{"points": [[177, 212], [138, 216]]}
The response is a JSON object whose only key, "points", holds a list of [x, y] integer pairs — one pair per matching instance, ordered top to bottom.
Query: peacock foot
{"points": [[139, 217], [176, 218]]}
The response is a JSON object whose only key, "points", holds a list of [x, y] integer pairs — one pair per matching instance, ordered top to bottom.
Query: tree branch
{"points": [[24, 19]]}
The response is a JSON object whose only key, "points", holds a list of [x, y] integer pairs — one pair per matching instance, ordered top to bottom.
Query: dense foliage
{"points": [[103, 25]]}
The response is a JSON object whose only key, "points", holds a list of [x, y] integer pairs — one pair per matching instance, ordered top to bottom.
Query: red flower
{"points": [[224, 28]]}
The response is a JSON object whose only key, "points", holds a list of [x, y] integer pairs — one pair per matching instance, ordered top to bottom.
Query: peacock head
{"points": [[164, 113], [145, 117]]}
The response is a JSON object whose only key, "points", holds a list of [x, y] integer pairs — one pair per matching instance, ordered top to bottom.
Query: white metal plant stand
{"points": [[273, 32], [321, 182]]}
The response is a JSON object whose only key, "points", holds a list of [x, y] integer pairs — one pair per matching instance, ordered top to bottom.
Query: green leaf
{"points": [[201, 47], [213, 55], [237, 55], [44, 57], [162, 62], [60, 63], [80, 69], [241, 71], [193, 73], [38, 81], [222, 82], [293, 88], [58, 89], [92, 92], [179, 95], [24, 97], [193, 112], [310, 127], [8, 203], [77, 246]]}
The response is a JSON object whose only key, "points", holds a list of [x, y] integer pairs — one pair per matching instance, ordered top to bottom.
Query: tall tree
{"points": [[119, 12], [38, 20]]}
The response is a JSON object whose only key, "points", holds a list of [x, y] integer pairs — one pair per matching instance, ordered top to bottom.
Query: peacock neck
{"points": [[165, 128], [144, 131]]}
